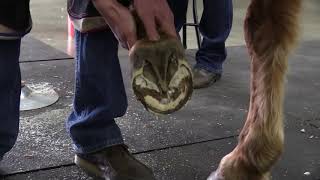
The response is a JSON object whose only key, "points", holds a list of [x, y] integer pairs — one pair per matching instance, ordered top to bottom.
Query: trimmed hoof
{"points": [[161, 76]]}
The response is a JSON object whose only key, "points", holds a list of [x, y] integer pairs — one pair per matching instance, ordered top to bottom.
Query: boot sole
{"points": [[214, 80], [93, 171]]}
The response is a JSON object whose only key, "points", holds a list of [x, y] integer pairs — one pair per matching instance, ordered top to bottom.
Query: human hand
{"points": [[155, 14], [120, 21]]}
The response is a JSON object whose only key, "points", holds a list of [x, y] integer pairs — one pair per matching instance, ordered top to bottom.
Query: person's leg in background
{"points": [[215, 27], [10, 88], [99, 98]]}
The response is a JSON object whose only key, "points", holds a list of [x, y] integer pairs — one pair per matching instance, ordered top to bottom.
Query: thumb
{"points": [[167, 27], [131, 41]]}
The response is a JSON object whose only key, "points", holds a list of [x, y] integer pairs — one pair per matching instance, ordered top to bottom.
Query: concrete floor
{"points": [[186, 145]]}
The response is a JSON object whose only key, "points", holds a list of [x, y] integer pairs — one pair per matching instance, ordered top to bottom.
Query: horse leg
{"points": [[270, 33]]}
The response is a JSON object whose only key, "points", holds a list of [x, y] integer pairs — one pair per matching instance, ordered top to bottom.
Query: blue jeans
{"points": [[215, 27], [99, 93]]}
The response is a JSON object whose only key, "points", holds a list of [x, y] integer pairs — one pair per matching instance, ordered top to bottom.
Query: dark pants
{"points": [[10, 83]]}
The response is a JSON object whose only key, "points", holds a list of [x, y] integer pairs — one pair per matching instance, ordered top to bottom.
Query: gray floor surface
{"points": [[186, 145]]}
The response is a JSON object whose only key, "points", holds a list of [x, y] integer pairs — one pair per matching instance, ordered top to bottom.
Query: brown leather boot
{"points": [[203, 78], [114, 163]]}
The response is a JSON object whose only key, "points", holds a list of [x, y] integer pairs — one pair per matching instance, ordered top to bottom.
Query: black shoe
{"points": [[203, 78], [114, 163]]}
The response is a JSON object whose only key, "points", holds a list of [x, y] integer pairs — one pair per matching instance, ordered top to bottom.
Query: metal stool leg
{"points": [[196, 22], [184, 33]]}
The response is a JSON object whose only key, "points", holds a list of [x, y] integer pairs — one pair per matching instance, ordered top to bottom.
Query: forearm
{"points": [[101, 4], [106, 7]]}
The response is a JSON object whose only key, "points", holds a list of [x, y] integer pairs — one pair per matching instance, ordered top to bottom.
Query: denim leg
{"points": [[215, 27], [10, 87], [99, 93]]}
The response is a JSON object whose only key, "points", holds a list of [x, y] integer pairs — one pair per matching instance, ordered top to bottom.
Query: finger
{"points": [[166, 21], [151, 28], [168, 28], [120, 36], [126, 39], [121, 41], [131, 41], [124, 45]]}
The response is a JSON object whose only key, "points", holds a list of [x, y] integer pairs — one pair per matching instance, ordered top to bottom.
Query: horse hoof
{"points": [[161, 76]]}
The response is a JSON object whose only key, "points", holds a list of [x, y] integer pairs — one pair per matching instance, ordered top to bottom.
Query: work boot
{"points": [[203, 78], [114, 163]]}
